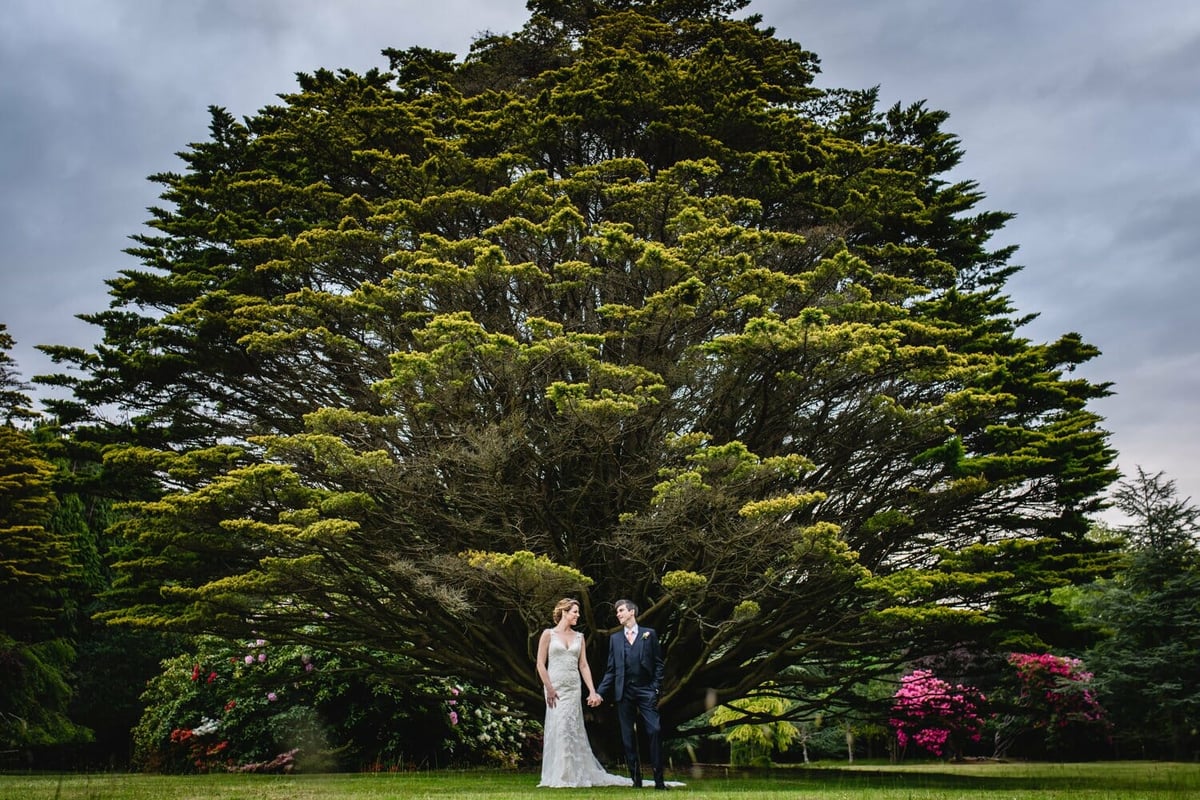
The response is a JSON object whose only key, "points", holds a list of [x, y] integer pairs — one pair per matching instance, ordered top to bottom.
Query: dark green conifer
{"points": [[619, 302]]}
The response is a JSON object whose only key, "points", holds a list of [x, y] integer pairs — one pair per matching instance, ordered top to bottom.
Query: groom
{"points": [[634, 678]]}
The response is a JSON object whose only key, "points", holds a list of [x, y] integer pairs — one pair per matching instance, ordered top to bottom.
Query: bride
{"points": [[567, 758]]}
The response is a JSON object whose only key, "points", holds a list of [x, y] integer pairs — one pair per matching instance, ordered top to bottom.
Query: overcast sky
{"points": [[1082, 117]]}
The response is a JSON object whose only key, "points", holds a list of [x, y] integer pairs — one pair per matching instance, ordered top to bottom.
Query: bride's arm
{"points": [[542, 654], [586, 671]]}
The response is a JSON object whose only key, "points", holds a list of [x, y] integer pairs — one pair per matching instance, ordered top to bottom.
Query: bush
{"points": [[259, 707], [1053, 709], [935, 716]]}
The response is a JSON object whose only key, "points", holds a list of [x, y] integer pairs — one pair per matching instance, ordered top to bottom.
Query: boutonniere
{"points": [[646, 635]]}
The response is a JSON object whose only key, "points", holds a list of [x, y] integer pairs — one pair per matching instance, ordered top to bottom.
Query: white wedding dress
{"points": [[567, 759]]}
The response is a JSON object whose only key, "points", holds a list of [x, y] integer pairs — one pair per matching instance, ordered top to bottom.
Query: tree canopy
{"points": [[618, 305]]}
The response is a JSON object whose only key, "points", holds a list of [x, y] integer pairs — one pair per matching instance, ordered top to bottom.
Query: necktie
{"points": [[629, 635]]}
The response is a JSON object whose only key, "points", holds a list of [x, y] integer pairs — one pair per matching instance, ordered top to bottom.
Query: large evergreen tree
{"points": [[618, 302]]}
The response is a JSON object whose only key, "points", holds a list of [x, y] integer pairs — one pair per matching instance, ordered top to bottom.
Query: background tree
{"points": [[618, 301], [14, 402], [35, 565], [113, 663], [1147, 667], [68, 679]]}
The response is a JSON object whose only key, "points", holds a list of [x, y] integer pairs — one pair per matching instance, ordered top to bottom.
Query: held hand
{"points": [[594, 700]]}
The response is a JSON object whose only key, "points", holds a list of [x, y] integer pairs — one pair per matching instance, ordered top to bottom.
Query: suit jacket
{"points": [[645, 648]]}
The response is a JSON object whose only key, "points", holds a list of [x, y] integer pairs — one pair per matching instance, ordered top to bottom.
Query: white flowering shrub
{"points": [[486, 729]]}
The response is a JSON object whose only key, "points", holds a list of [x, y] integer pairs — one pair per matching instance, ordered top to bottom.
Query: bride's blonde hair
{"points": [[562, 606]]}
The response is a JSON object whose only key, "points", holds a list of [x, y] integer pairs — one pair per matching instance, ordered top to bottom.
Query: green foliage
{"points": [[621, 291], [34, 561], [35, 569], [522, 581], [113, 664], [112, 669], [34, 693], [265, 707], [754, 729]]}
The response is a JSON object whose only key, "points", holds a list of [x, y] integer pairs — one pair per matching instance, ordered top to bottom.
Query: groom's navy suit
{"points": [[633, 678]]}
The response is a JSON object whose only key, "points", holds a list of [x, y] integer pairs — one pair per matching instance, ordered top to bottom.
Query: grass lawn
{"points": [[979, 781]]}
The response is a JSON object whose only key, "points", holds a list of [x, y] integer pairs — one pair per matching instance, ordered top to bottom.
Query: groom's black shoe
{"points": [[636, 774], [659, 783]]}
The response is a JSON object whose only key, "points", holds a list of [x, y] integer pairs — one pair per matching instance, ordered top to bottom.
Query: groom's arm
{"points": [[658, 662], [610, 670]]}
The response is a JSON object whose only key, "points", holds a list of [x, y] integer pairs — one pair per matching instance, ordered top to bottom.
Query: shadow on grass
{"points": [[973, 778]]}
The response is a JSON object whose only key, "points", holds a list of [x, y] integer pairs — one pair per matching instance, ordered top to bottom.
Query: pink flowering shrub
{"points": [[1055, 696], [939, 718]]}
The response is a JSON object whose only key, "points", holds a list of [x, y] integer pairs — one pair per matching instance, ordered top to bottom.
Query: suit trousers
{"points": [[640, 701]]}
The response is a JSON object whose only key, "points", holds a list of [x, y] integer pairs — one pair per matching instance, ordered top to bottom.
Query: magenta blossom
{"points": [[1056, 691], [930, 713]]}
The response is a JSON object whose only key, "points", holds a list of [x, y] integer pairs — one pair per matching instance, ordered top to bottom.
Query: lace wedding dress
{"points": [[567, 759]]}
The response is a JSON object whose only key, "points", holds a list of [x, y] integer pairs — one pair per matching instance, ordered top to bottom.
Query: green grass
{"points": [[979, 781]]}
